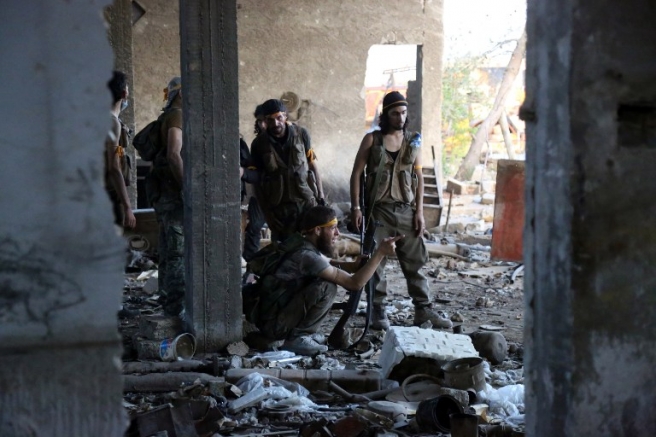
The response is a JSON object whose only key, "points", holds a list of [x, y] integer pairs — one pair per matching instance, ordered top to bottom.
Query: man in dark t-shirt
{"points": [[311, 280]]}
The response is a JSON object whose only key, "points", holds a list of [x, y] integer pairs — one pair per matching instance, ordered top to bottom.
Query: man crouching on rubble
{"points": [[294, 300]]}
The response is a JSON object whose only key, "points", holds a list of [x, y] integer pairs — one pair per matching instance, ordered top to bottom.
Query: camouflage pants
{"points": [[397, 219], [171, 274], [304, 312]]}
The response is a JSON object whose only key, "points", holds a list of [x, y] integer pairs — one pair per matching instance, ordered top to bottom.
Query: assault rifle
{"points": [[350, 307]]}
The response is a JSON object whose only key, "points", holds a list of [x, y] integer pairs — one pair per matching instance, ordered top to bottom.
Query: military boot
{"points": [[425, 314], [379, 318]]}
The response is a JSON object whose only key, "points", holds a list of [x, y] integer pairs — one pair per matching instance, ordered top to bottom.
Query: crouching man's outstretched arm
{"points": [[357, 280]]}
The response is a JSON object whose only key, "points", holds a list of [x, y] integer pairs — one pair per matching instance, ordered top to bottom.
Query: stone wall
{"points": [[316, 50], [590, 238], [60, 256]]}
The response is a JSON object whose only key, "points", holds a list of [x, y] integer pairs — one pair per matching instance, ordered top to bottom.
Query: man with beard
{"points": [[391, 161], [289, 182], [306, 283]]}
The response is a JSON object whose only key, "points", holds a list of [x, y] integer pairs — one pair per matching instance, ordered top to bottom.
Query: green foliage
{"points": [[459, 91]]}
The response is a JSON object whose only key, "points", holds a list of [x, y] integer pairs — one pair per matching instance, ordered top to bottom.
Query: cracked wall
{"points": [[318, 51], [590, 233]]}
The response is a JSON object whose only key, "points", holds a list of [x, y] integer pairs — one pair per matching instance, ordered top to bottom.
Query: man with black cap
{"points": [[391, 161], [289, 178], [164, 189], [300, 291]]}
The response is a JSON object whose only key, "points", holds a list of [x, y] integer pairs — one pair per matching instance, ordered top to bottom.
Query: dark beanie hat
{"points": [[393, 99], [272, 106], [259, 112]]}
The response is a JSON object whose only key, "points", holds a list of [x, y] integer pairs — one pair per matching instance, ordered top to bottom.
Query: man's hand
{"points": [[241, 172], [356, 219], [129, 220], [419, 222], [388, 245]]}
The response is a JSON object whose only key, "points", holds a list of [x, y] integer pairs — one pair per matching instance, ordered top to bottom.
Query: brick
{"points": [[412, 350]]}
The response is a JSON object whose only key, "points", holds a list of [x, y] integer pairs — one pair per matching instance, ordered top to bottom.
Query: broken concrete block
{"points": [[489, 186], [456, 187], [487, 199], [487, 215], [478, 225], [454, 228], [151, 285], [159, 327], [490, 345], [238, 348], [411, 350], [248, 400]]}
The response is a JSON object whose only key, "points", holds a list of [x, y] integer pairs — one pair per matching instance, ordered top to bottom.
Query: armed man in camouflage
{"points": [[164, 189]]}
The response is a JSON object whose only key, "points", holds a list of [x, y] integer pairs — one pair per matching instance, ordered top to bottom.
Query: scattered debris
{"points": [[375, 388]]}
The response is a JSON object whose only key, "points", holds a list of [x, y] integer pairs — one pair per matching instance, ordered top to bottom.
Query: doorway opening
{"points": [[391, 68]]}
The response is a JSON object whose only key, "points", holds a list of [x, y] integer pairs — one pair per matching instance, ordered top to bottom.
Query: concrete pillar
{"points": [[119, 17], [208, 33], [430, 55], [590, 234], [60, 257]]}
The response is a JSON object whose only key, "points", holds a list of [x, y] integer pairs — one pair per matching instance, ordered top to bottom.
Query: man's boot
{"points": [[425, 314], [379, 318], [303, 345]]}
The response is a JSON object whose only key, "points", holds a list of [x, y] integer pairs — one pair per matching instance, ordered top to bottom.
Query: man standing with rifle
{"points": [[391, 160], [350, 307]]}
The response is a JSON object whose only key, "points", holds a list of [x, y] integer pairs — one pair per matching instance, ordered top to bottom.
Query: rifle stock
{"points": [[350, 307]]}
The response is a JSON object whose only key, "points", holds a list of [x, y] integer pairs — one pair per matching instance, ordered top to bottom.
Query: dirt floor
{"points": [[475, 293]]}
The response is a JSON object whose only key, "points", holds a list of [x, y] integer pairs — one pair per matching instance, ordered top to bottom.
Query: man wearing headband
{"points": [[391, 160], [289, 178], [164, 189], [311, 280]]}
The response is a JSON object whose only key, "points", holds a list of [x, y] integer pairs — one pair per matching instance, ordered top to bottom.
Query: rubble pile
{"points": [[404, 381]]}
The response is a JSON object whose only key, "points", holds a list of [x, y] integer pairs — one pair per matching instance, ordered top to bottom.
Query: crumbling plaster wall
{"points": [[317, 50], [156, 51], [590, 235], [61, 259]]}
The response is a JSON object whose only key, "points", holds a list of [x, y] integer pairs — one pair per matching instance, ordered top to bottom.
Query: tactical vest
{"points": [[398, 181], [284, 182]]}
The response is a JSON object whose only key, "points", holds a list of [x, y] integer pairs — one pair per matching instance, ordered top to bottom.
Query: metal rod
{"points": [[448, 211]]}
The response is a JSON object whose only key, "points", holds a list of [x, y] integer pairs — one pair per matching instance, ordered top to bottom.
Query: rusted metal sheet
{"points": [[508, 211]]}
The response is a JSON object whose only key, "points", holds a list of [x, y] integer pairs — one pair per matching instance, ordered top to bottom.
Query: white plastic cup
{"points": [[181, 347]]}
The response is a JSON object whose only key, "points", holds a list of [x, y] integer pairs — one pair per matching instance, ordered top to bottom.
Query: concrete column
{"points": [[119, 17], [208, 33], [430, 55], [590, 234], [60, 257]]}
